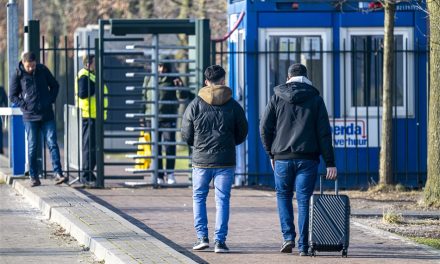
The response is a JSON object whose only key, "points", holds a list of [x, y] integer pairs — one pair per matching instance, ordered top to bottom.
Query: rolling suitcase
{"points": [[329, 228]]}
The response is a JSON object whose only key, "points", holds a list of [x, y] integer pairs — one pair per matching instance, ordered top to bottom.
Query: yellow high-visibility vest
{"points": [[88, 105]]}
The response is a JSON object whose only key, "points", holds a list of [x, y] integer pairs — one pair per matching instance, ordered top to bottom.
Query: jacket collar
{"points": [[300, 79]]}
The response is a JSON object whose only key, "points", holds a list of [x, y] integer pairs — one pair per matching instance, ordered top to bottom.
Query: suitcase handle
{"points": [[320, 184]]}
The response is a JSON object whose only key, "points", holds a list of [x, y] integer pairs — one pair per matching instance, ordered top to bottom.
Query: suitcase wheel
{"points": [[312, 252], [344, 253]]}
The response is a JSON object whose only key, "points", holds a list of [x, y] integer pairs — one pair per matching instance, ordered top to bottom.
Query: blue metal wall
{"points": [[357, 166]]}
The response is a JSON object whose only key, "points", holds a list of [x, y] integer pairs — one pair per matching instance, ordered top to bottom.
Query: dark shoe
{"points": [[59, 179], [35, 182], [87, 183], [201, 243], [287, 246], [220, 247], [304, 253]]}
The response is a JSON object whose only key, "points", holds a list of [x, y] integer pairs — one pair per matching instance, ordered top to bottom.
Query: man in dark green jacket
{"points": [[166, 93]]}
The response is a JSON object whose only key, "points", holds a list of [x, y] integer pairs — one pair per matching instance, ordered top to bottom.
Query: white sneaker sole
{"points": [[201, 246], [220, 250]]}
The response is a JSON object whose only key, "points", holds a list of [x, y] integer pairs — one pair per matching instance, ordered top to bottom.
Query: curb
{"points": [[70, 209]]}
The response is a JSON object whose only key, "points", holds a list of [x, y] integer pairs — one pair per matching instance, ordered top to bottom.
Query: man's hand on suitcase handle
{"points": [[332, 173]]}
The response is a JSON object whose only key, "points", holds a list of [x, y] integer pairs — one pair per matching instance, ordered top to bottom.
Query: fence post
{"points": [[203, 41], [99, 45]]}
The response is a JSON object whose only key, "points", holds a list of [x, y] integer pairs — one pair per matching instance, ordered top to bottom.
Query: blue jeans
{"points": [[33, 131], [298, 174], [223, 178]]}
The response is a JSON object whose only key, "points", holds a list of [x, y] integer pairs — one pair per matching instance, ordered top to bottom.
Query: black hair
{"points": [[87, 59], [167, 65], [297, 69], [214, 73]]}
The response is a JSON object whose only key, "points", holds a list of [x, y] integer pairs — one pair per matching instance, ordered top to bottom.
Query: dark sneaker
{"points": [[59, 179], [35, 182], [87, 183], [201, 243], [287, 246], [220, 247], [304, 253]]}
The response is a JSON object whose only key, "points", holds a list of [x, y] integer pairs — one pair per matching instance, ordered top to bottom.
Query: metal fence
{"points": [[124, 64], [349, 79], [350, 82]]}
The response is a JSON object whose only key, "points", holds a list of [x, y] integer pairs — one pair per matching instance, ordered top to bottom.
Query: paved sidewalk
{"points": [[156, 226], [254, 235], [108, 236], [26, 237]]}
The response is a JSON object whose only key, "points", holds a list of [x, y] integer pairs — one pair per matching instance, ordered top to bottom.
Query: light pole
{"points": [[27, 17]]}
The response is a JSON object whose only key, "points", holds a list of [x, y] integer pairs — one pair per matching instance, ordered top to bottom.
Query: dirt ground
{"points": [[397, 200], [392, 203]]}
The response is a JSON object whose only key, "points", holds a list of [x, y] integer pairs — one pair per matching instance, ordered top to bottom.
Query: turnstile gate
{"points": [[183, 43]]}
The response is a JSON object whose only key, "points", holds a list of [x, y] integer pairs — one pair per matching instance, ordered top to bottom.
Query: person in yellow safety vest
{"points": [[85, 99]]}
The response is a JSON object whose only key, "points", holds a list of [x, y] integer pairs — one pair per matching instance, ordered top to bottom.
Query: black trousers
{"points": [[88, 149], [170, 150]]}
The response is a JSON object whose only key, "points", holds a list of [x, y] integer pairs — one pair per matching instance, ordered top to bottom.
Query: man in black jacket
{"points": [[34, 89], [213, 124], [295, 131]]}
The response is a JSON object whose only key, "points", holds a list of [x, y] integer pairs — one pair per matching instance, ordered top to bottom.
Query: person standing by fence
{"points": [[34, 89], [166, 93], [85, 99], [213, 123], [295, 130]]}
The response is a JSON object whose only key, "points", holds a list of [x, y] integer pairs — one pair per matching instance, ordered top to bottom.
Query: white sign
{"points": [[351, 133]]}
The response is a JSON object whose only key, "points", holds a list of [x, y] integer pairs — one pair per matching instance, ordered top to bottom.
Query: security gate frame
{"points": [[120, 28]]}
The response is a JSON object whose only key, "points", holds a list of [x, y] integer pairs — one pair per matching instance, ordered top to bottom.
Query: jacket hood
{"points": [[21, 67], [21, 70], [296, 92], [216, 94]]}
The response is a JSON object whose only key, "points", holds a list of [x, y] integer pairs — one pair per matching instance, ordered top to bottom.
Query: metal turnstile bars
{"points": [[164, 88], [148, 129]]}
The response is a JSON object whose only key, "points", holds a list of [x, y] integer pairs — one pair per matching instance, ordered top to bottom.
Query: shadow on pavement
{"points": [[145, 228]]}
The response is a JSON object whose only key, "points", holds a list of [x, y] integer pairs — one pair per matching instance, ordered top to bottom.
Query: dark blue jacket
{"points": [[34, 93]]}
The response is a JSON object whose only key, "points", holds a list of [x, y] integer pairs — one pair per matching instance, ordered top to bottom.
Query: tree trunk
{"points": [[202, 9], [386, 151], [432, 188]]}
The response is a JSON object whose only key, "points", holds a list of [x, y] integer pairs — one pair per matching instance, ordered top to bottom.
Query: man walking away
{"points": [[34, 89], [213, 124], [295, 130]]}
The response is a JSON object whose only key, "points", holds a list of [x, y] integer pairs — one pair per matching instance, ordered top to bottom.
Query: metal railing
{"points": [[351, 90]]}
